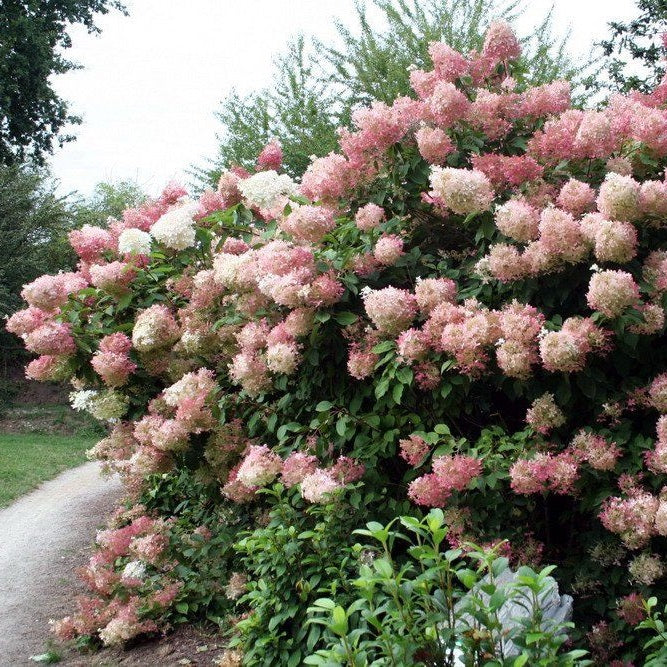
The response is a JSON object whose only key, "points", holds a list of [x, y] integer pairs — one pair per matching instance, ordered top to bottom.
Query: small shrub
{"points": [[436, 606]]}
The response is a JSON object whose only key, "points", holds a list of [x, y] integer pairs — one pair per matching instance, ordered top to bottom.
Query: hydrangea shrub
{"points": [[463, 308]]}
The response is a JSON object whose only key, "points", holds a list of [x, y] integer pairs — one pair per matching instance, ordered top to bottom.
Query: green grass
{"points": [[27, 459]]}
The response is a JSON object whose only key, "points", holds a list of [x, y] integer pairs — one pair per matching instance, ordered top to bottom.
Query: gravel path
{"points": [[44, 536]]}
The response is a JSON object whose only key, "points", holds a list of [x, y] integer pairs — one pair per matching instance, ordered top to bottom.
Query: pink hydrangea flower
{"points": [[500, 43], [447, 104], [434, 144], [271, 156], [504, 170], [327, 178], [576, 197], [618, 198], [653, 199], [369, 217], [309, 223], [561, 235], [90, 242], [388, 249], [504, 262], [113, 277], [49, 292], [430, 292], [25, 321], [154, 328], [52, 338], [412, 345], [282, 357], [111, 362], [361, 364], [47, 368], [249, 369], [657, 393], [544, 415], [413, 449], [596, 450], [259, 467], [296, 467], [455, 472], [543, 473], [318, 486], [236, 490], [428, 490], [632, 519]]}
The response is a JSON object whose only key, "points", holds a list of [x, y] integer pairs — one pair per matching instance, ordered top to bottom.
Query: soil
{"points": [[36, 393], [185, 646]]}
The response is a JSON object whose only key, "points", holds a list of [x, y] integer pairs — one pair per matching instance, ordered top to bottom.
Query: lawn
{"points": [[27, 459]]}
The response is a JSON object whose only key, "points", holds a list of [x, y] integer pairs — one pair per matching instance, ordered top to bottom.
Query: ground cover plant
{"points": [[463, 310]]}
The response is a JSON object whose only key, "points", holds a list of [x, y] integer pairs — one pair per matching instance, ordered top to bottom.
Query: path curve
{"points": [[44, 536]]}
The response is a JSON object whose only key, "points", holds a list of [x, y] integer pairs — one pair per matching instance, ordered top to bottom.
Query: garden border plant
{"points": [[462, 309]]}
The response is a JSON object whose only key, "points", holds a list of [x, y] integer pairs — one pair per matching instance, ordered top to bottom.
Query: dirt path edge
{"points": [[44, 537]]}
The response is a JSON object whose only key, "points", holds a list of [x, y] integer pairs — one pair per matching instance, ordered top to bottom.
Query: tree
{"points": [[32, 36], [636, 45], [374, 65], [317, 86], [301, 110], [107, 200], [34, 223]]}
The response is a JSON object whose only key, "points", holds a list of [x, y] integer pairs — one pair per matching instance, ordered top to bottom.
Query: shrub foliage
{"points": [[463, 309]]}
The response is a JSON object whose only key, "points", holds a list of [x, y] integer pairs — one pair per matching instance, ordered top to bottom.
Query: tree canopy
{"points": [[33, 36], [637, 54], [317, 85], [107, 200]]}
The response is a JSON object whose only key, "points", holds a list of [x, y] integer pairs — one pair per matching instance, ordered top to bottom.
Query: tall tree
{"points": [[33, 35], [636, 49], [374, 65], [317, 85], [300, 110], [108, 200], [34, 222]]}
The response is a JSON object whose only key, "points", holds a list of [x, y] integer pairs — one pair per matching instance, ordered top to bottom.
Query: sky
{"points": [[151, 82]]}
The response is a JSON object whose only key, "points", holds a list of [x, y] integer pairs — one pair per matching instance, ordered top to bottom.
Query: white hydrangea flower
{"points": [[264, 188], [176, 228], [134, 242], [225, 268], [143, 334], [282, 358], [80, 400], [107, 405], [135, 569]]}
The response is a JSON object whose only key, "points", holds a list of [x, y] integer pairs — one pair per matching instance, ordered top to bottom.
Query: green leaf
{"points": [[345, 318], [384, 346], [404, 375], [323, 406], [341, 426]]}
